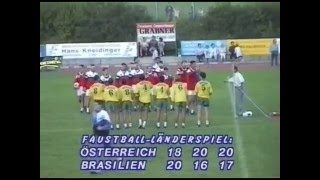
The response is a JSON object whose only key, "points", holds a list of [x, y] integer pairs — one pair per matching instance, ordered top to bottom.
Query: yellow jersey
{"points": [[203, 89], [161, 90], [179, 90], [96, 91], [144, 91], [111, 93], [126, 93]]}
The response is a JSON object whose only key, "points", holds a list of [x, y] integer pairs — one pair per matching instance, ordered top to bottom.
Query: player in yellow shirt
{"points": [[162, 91], [96, 92], [144, 92], [203, 92], [126, 96], [179, 97], [112, 101]]}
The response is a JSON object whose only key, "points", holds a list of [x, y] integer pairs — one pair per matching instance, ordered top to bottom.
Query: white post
{"points": [[193, 9], [157, 10]]}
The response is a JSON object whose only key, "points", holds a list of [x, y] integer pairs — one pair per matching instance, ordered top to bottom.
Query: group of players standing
{"points": [[132, 89]]}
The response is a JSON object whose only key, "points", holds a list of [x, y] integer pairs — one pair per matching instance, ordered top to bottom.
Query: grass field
{"points": [[256, 140]]}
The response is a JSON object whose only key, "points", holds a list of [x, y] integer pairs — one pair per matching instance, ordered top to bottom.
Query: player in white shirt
{"points": [[136, 70], [123, 71], [238, 82]]}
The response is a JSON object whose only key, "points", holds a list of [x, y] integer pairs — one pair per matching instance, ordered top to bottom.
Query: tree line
{"points": [[116, 22]]}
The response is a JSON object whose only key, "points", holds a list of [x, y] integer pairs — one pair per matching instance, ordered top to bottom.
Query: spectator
{"points": [[169, 12], [200, 12], [176, 13], [153, 44], [161, 46], [143, 47], [274, 49], [213, 51], [231, 51], [222, 52], [200, 53], [207, 53], [238, 53], [155, 54]]}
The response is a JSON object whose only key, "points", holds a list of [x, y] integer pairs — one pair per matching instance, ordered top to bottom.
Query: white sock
{"points": [[171, 106], [187, 106], [81, 109], [88, 110], [192, 111], [140, 122], [199, 122], [207, 122], [144, 123], [130, 124], [158, 124], [165, 124], [175, 124], [183, 124], [125, 125], [111, 126], [117, 126]]}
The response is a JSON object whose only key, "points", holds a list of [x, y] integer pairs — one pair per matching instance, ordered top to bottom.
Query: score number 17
{"points": [[226, 165]]}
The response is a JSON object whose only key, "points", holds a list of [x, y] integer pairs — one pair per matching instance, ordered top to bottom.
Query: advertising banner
{"points": [[165, 30], [253, 46], [189, 48], [92, 50], [42, 51]]}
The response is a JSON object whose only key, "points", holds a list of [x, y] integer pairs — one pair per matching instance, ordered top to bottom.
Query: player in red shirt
{"points": [[182, 71], [154, 79], [168, 79], [192, 80], [117, 81], [79, 85], [87, 101]]}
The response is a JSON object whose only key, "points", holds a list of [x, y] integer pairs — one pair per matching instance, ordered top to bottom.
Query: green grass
{"points": [[257, 155]]}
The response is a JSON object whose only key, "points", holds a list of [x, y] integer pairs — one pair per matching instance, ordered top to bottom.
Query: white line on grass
{"points": [[242, 156]]}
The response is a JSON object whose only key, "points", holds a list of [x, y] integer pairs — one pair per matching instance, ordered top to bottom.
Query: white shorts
{"points": [[134, 88], [80, 91], [87, 92], [191, 93]]}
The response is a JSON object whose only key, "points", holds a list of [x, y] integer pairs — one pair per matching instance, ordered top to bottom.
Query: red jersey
{"points": [[183, 74], [135, 79], [154, 79], [192, 79], [81, 80], [168, 80], [130, 81], [89, 83], [117, 83]]}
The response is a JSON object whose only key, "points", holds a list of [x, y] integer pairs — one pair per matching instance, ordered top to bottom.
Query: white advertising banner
{"points": [[165, 30], [278, 42], [92, 50]]}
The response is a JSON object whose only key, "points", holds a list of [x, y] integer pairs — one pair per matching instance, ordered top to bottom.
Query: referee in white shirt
{"points": [[238, 83], [101, 122], [101, 125]]}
